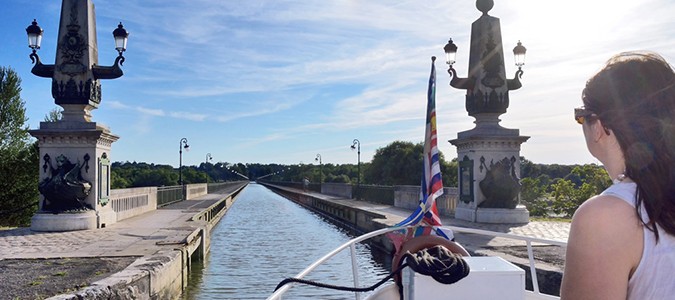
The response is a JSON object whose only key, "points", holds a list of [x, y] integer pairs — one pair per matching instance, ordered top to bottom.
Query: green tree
{"points": [[56, 114], [13, 128], [18, 156], [400, 163], [449, 172], [118, 181], [534, 196], [567, 197]]}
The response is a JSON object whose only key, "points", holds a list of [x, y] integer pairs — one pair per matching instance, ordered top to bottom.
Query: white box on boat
{"points": [[491, 277]]}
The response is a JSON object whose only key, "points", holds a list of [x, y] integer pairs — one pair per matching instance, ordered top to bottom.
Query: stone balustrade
{"points": [[132, 202]]}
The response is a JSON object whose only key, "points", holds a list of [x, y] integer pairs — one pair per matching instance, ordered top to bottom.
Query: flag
{"points": [[425, 216]]}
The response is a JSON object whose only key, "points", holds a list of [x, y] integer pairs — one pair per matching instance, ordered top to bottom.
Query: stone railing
{"points": [[337, 189], [195, 190], [405, 196], [408, 196], [127, 203]]}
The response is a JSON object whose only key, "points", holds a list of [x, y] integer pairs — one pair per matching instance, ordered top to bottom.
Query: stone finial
{"points": [[484, 5]]}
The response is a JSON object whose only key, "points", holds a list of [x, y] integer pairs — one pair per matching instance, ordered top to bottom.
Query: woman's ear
{"points": [[598, 130]]}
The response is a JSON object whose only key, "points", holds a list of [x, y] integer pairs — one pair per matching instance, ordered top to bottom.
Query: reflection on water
{"points": [[265, 238]]}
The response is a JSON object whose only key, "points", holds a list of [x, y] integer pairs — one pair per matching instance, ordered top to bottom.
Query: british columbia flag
{"points": [[425, 217]]}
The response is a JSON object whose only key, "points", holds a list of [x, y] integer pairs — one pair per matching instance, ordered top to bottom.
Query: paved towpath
{"points": [[142, 235]]}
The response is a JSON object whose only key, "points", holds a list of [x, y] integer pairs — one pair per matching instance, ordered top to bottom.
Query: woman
{"points": [[622, 242]]}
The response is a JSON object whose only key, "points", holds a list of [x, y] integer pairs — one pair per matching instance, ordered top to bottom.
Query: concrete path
{"points": [[142, 235]]}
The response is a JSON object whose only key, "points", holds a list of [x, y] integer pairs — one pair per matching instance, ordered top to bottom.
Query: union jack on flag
{"points": [[425, 217]]}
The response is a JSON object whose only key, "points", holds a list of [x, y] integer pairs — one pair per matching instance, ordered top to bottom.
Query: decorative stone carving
{"points": [[501, 185], [65, 190]]}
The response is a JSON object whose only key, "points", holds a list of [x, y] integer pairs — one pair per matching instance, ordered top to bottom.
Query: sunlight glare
{"points": [[571, 21]]}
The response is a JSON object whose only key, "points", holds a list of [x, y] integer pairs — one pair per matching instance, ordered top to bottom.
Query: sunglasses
{"points": [[581, 115]]}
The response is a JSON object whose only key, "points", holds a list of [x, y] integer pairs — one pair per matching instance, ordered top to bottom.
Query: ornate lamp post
{"points": [[76, 73], [487, 87], [183, 144], [357, 145], [488, 154], [318, 158]]}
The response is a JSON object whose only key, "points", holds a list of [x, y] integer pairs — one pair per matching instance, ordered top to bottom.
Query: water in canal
{"points": [[265, 238]]}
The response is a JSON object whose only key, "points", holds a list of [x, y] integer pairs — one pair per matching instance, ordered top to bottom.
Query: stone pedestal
{"points": [[87, 145], [484, 148], [517, 215], [64, 221]]}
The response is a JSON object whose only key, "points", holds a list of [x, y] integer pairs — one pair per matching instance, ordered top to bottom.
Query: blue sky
{"points": [[275, 81]]}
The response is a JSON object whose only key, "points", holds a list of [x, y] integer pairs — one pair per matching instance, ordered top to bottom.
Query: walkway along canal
{"points": [[265, 238]]}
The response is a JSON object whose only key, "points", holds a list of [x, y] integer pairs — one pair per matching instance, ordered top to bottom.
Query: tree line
{"points": [[546, 189]]}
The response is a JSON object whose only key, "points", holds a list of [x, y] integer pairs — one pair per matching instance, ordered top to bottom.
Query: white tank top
{"points": [[654, 277]]}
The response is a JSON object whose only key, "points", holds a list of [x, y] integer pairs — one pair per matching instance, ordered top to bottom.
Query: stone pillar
{"points": [[87, 146], [489, 150], [74, 151], [489, 154]]}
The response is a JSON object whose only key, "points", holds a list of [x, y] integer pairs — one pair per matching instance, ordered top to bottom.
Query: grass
{"points": [[550, 219], [60, 273]]}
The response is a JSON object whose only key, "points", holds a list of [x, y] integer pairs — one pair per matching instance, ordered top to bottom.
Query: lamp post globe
{"points": [[34, 35], [121, 36], [450, 52], [519, 54]]}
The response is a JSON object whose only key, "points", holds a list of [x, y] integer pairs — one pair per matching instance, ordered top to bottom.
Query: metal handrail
{"points": [[529, 240]]}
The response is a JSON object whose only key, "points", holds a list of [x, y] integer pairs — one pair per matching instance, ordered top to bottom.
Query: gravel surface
{"points": [[22, 279]]}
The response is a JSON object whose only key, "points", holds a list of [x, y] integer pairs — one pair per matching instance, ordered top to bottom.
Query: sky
{"points": [[286, 81]]}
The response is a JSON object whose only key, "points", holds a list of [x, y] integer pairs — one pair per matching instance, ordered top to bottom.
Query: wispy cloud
{"points": [[273, 74], [154, 112]]}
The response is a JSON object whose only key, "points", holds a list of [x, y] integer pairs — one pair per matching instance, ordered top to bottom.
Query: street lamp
{"points": [[34, 36], [76, 72], [487, 86], [183, 144], [357, 145], [208, 158], [318, 158], [237, 173]]}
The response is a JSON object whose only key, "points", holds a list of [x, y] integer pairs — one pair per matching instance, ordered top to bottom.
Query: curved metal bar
{"points": [[39, 69], [102, 72], [460, 83], [514, 84], [277, 295]]}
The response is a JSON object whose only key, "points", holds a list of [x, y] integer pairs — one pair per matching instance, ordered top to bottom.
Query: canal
{"points": [[265, 238]]}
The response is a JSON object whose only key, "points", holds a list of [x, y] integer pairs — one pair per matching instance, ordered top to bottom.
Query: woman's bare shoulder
{"points": [[606, 211], [603, 249]]}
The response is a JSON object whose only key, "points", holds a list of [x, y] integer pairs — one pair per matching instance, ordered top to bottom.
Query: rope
{"points": [[438, 262], [340, 288]]}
